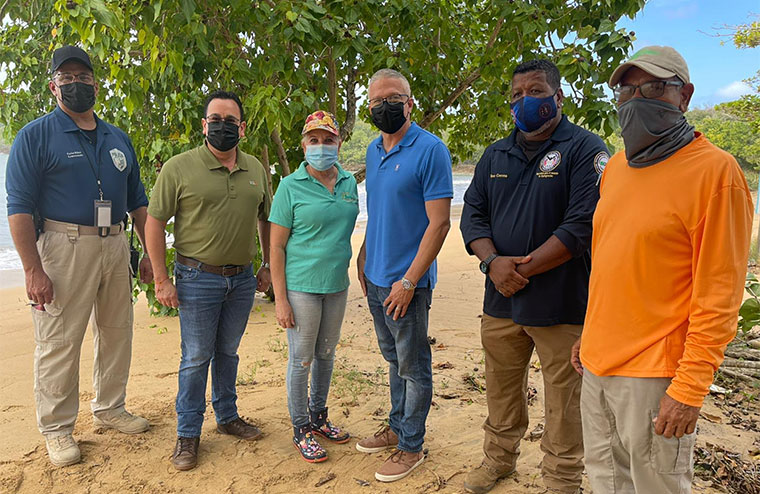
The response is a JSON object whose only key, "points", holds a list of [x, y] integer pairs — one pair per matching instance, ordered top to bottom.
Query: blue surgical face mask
{"points": [[530, 113], [321, 156]]}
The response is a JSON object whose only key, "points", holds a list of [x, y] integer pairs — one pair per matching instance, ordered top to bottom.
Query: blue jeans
{"points": [[213, 313], [311, 346], [405, 347]]}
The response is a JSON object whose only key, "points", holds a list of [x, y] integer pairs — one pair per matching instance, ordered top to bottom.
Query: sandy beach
{"points": [[114, 462]]}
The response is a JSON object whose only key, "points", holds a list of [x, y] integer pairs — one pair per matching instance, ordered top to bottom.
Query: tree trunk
{"points": [[332, 83], [348, 125], [282, 158]]}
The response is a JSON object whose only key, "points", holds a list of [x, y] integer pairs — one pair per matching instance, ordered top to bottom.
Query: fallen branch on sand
{"points": [[727, 469]]}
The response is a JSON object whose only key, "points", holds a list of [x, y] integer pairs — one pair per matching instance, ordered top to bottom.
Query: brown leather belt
{"points": [[228, 270]]}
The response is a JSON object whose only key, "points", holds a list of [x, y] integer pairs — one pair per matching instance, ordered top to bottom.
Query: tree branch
{"points": [[332, 83], [461, 88], [429, 118], [282, 158], [265, 162]]}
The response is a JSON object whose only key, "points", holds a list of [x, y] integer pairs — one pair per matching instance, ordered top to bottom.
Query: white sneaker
{"points": [[122, 421], [62, 450]]}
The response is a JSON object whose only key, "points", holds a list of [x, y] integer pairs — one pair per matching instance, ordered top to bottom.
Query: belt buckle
{"points": [[72, 231], [104, 231], [232, 270]]}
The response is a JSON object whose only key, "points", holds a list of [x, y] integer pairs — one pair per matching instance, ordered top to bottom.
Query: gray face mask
{"points": [[652, 130]]}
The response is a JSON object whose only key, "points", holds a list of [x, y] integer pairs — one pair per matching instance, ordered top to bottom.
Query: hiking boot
{"points": [[122, 421], [321, 426], [241, 429], [382, 439], [307, 445], [62, 450], [185, 455], [399, 465], [483, 478], [555, 490]]}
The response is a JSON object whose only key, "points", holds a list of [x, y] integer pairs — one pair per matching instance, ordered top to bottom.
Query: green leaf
{"points": [[188, 7]]}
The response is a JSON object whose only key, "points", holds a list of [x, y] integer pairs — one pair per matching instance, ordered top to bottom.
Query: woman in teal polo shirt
{"points": [[312, 217]]}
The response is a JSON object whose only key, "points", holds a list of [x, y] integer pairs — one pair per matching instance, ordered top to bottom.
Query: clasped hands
{"points": [[505, 276]]}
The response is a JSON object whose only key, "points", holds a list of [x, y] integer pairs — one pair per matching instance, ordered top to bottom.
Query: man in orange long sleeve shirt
{"points": [[669, 253]]}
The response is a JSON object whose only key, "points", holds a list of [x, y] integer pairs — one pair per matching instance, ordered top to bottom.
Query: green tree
{"points": [[156, 59], [748, 106], [729, 133], [354, 151]]}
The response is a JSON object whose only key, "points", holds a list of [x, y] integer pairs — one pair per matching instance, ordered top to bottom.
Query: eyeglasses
{"points": [[67, 77], [651, 89], [392, 99], [216, 118]]}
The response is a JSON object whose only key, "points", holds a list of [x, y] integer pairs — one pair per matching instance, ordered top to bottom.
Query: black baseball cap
{"points": [[69, 52]]}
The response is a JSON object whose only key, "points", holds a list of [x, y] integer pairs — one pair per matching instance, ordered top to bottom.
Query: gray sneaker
{"points": [[122, 421], [62, 450]]}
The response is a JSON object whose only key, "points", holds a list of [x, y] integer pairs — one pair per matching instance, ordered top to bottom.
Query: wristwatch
{"points": [[485, 263], [264, 265], [407, 285]]}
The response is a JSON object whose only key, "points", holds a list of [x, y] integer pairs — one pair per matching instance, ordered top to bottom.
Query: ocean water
{"points": [[8, 257], [10, 260]]}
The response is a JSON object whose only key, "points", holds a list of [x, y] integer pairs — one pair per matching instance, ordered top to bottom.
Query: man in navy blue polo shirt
{"points": [[80, 176], [409, 190], [527, 217]]}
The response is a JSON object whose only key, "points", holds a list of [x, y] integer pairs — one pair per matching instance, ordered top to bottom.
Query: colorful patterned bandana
{"points": [[321, 120]]}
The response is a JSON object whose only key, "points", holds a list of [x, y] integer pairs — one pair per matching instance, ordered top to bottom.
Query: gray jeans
{"points": [[311, 346], [623, 453]]}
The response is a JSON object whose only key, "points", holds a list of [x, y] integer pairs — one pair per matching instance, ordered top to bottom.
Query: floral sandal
{"points": [[321, 426], [307, 445]]}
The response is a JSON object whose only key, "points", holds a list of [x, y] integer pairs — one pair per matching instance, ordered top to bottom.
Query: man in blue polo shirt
{"points": [[79, 176], [409, 190], [527, 217]]}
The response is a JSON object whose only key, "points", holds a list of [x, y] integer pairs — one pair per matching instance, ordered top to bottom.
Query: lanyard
{"points": [[95, 171]]}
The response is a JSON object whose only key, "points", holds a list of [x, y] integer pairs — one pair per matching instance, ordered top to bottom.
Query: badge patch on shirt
{"points": [[119, 159], [600, 161], [548, 164], [398, 165], [252, 182], [348, 197]]}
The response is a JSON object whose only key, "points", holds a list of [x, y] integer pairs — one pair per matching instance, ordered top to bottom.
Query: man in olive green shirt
{"points": [[216, 194]]}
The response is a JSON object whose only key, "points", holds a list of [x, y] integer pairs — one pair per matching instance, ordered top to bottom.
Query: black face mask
{"points": [[78, 96], [388, 117], [222, 135]]}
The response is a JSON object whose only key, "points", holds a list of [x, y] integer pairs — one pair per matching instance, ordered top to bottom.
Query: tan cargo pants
{"points": [[87, 272], [508, 347], [623, 454]]}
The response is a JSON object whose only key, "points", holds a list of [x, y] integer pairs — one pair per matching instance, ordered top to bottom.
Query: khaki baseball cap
{"points": [[660, 61]]}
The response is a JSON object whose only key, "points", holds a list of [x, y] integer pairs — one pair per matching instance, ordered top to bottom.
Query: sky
{"points": [[690, 26]]}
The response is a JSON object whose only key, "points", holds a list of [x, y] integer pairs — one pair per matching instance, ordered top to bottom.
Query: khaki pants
{"points": [[87, 272], [508, 347], [623, 454]]}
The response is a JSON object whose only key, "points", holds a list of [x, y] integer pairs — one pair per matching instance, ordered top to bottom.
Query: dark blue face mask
{"points": [[531, 113]]}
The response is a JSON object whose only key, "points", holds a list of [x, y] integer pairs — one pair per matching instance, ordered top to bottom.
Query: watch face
{"points": [[483, 267], [406, 284]]}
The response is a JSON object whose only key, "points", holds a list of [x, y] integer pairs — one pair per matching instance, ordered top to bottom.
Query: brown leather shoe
{"points": [[239, 428], [382, 439], [185, 456], [399, 465]]}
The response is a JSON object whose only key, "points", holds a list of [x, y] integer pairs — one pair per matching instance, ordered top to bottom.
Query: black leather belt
{"points": [[228, 270]]}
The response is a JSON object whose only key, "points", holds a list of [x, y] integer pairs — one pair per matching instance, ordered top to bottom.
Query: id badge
{"points": [[102, 214]]}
